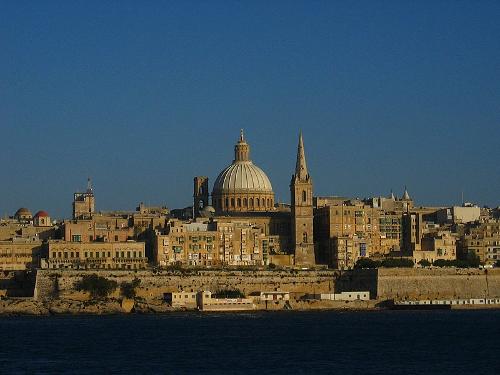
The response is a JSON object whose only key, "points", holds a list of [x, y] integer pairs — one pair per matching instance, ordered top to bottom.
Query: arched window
{"points": [[304, 196], [227, 202], [232, 202], [239, 202], [244, 202], [251, 202], [258, 202], [268, 202], [304, 237]]}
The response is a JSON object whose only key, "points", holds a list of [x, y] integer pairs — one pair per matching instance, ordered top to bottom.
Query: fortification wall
{"points": [[382, 283], [422, 283], [437, 283], [153, 286]]}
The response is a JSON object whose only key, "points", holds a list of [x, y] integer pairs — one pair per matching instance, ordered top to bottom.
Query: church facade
{"points": [[243, 192]]}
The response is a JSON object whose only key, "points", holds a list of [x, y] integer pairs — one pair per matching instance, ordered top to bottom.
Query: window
{"points": [[304, 196], [232, 202], [239, 202], [244, 202], [250, 203], [304, 237], [76, 238], [116, 238], [78, 254]]}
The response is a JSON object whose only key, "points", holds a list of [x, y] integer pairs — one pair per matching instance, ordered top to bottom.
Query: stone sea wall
{"points": [[51, 283], [423, 283]]}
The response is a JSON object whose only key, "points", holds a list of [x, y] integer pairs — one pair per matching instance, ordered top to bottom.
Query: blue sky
{"points": [[142, 96]]}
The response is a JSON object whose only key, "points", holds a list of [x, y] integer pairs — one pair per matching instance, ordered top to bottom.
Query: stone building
{"points": [[84, 203], [484, 240], [215, 243], [437, 245], [20, 254], [95, 255]]}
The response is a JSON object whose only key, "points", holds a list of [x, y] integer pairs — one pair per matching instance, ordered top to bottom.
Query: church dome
{"points": [[243, 176], [242, 186], [23, 212], [41, 214]]}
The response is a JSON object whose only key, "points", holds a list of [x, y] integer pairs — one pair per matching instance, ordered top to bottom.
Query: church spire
{"points": [[301, 172]]}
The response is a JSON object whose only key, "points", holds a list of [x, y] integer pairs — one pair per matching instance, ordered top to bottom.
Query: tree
{"points": [[472, 259], [497, 263], [97, 286], [127, 289]]}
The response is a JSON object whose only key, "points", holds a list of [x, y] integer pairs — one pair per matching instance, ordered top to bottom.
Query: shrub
{"points": [[471, 261], [366, 263], [397, 263], [424, 263], [97, 286], [127, 289]]}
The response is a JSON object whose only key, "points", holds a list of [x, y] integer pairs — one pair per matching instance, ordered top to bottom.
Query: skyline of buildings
{"points": [[276, 198], [239, 223]]}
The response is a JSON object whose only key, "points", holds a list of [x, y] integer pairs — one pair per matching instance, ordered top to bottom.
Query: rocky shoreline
{"points": [[29, 306], [112, 306]]}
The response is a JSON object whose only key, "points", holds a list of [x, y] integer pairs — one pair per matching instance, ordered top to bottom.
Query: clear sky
{"points": [[144, 95]]}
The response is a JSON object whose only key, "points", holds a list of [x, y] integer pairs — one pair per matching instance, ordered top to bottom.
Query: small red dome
{"points": [[41, 214]]}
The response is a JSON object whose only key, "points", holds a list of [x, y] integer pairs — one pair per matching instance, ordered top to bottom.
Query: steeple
{"points": [[242, 149], [301, 172], [406, 196], [392, 197], [302, 210]]}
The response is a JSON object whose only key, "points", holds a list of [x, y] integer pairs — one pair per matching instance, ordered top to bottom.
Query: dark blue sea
{"points": [[389, 342]]}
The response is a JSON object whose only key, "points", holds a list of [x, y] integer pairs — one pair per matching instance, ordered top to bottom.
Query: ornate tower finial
{"points": [[242, 149]]}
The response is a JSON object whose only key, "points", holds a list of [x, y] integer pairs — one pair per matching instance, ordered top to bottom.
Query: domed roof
{"points": [[242, 174], [23, 211], [41, 214]]}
